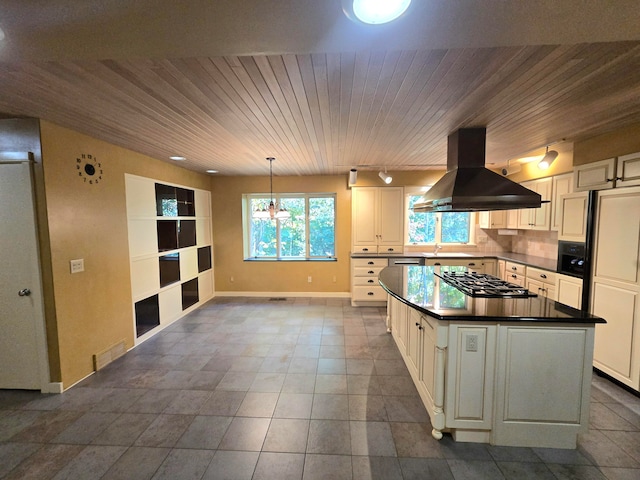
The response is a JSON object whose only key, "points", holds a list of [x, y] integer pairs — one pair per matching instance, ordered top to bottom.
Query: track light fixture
{"points": [[548, 159], [511, 169], [353, 176], [385, 178]]}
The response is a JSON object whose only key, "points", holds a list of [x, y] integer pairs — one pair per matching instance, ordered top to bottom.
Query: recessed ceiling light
{"points": [[374, 12], [177, 158], [212, 171]]}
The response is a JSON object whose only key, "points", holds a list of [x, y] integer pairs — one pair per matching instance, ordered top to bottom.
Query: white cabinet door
{"points": [[628, 170], [595, 176], [562, 185], [363, 216], [390, 216], [573, 216], [537, 218], [493, 219], [377, 220], [616, 285], [569, 290]]}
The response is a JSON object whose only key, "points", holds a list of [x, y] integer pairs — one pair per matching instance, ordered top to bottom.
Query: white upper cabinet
{"points": [[628, 170], [595, 176], [562, 184], [573, 216], [537, 218], [377, 219], [493, 219]]}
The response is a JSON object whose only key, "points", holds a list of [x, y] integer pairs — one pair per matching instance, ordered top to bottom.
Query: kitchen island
{"points": [[506, 371]]}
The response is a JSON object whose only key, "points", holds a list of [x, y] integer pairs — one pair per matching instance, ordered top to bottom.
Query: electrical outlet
{"points": [[77, 265], [231, 279], [309, 279], [334, 279], [472, 343]]}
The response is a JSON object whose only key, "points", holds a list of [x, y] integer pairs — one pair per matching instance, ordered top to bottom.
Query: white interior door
{"points": [[23, 359]]}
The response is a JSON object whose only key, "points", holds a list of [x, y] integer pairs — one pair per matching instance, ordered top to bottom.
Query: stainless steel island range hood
{"points": [[468, 186]]}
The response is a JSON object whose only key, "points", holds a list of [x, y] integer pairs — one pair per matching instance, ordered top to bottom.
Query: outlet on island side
{"points": [[309, 279], [472, 343]]}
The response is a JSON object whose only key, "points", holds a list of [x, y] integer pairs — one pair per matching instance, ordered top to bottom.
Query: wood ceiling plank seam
{"points": [[375, 62], [360, 66], [425, 69], [540, 72], [347, 73], [251, 74], [321, 82], [279, 83], [333, 84], [271, 91], [308, 91], [229, 95], [563, 95], [297, 96], [440, 96], [252, 102], [416, 113], [394, 117], [391, 120], [236, 124], [372, 136]]}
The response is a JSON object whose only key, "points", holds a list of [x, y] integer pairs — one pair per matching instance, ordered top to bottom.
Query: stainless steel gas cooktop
{"points": [[484, 285]]}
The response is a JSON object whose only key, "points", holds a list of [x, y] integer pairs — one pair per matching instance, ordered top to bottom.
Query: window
{"points": [[436, 227], [309, 233]]}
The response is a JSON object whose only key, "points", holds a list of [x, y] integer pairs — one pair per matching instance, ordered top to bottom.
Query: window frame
{"points": [[412, 191], [266, 198]]}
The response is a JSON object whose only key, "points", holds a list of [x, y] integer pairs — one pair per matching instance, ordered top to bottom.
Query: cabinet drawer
{"points": [[390, 248], [365, 249], [369, 262], [516, 268], [366, 271], [540, 275], [515, 278], [371, 280], [371, 294]]}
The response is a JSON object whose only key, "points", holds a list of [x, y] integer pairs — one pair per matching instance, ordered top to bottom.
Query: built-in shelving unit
{"points": [[170, 250]]}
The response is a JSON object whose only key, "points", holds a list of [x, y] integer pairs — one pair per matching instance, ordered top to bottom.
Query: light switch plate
{"points": [[77, 265]]}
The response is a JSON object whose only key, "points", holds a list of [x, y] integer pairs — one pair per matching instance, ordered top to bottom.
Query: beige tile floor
{"points": [[302, 389]]}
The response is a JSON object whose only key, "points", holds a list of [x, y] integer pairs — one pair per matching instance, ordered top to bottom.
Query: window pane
{"points": [[422, 225], [322, 227], [455, 227], [262, 240], [293, 241]]}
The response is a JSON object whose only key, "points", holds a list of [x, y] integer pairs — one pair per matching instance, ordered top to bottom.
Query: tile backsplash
{"points": [[537, 243]]}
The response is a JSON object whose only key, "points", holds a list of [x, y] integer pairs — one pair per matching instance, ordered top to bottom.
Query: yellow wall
{"points": [[613, 144], [93, 309]]}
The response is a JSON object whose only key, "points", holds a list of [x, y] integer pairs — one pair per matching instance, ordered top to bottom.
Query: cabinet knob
{"points": [[619, 178], [610, 179], [365, 249], [369, 263], [437, 264], [472, 264], [514, 268], [371, 272], [542, 275], [370, 281], [369, 293], [417, 324], [420, 327]]}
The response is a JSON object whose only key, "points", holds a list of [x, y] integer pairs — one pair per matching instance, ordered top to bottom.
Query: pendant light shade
{"points": [[548, 159], [353, 176], [273, 211]]}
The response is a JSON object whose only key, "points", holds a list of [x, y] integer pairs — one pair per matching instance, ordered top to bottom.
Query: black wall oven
{"points": [[571, 258]]}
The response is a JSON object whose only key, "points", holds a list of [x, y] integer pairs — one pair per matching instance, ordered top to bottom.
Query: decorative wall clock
{"points": [[89, 168]]}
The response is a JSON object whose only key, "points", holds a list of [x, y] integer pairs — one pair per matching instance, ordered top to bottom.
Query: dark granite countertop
{"points": [[530, 260], [420, 288]]}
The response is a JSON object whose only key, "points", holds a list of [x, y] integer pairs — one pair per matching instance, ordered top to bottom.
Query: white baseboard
{"points": [[285, 294], [52, 387]]}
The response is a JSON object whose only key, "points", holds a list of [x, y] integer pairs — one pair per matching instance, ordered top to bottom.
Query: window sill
{"points": [[333, 259]]}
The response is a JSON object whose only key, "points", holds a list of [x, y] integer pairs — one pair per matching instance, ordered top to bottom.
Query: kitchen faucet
{"points": [[436, 248]]}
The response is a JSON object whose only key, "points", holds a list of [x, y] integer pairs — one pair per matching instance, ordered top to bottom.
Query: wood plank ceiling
{"points": [[323, 113]]}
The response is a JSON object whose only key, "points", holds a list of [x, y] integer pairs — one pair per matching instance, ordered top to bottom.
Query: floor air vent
{"points": [[277, 299]]}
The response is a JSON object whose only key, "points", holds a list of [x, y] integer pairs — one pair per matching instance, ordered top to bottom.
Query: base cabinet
{"points": [[518, 384]]}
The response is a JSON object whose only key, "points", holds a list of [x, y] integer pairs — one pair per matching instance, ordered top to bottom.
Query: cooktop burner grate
{"points": [[484, 285]]}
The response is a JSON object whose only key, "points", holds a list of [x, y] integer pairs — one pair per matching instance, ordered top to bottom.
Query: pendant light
{"points": [[273, 211]]}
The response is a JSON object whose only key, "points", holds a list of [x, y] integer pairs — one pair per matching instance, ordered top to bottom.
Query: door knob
{"points": [[25, 292]]}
